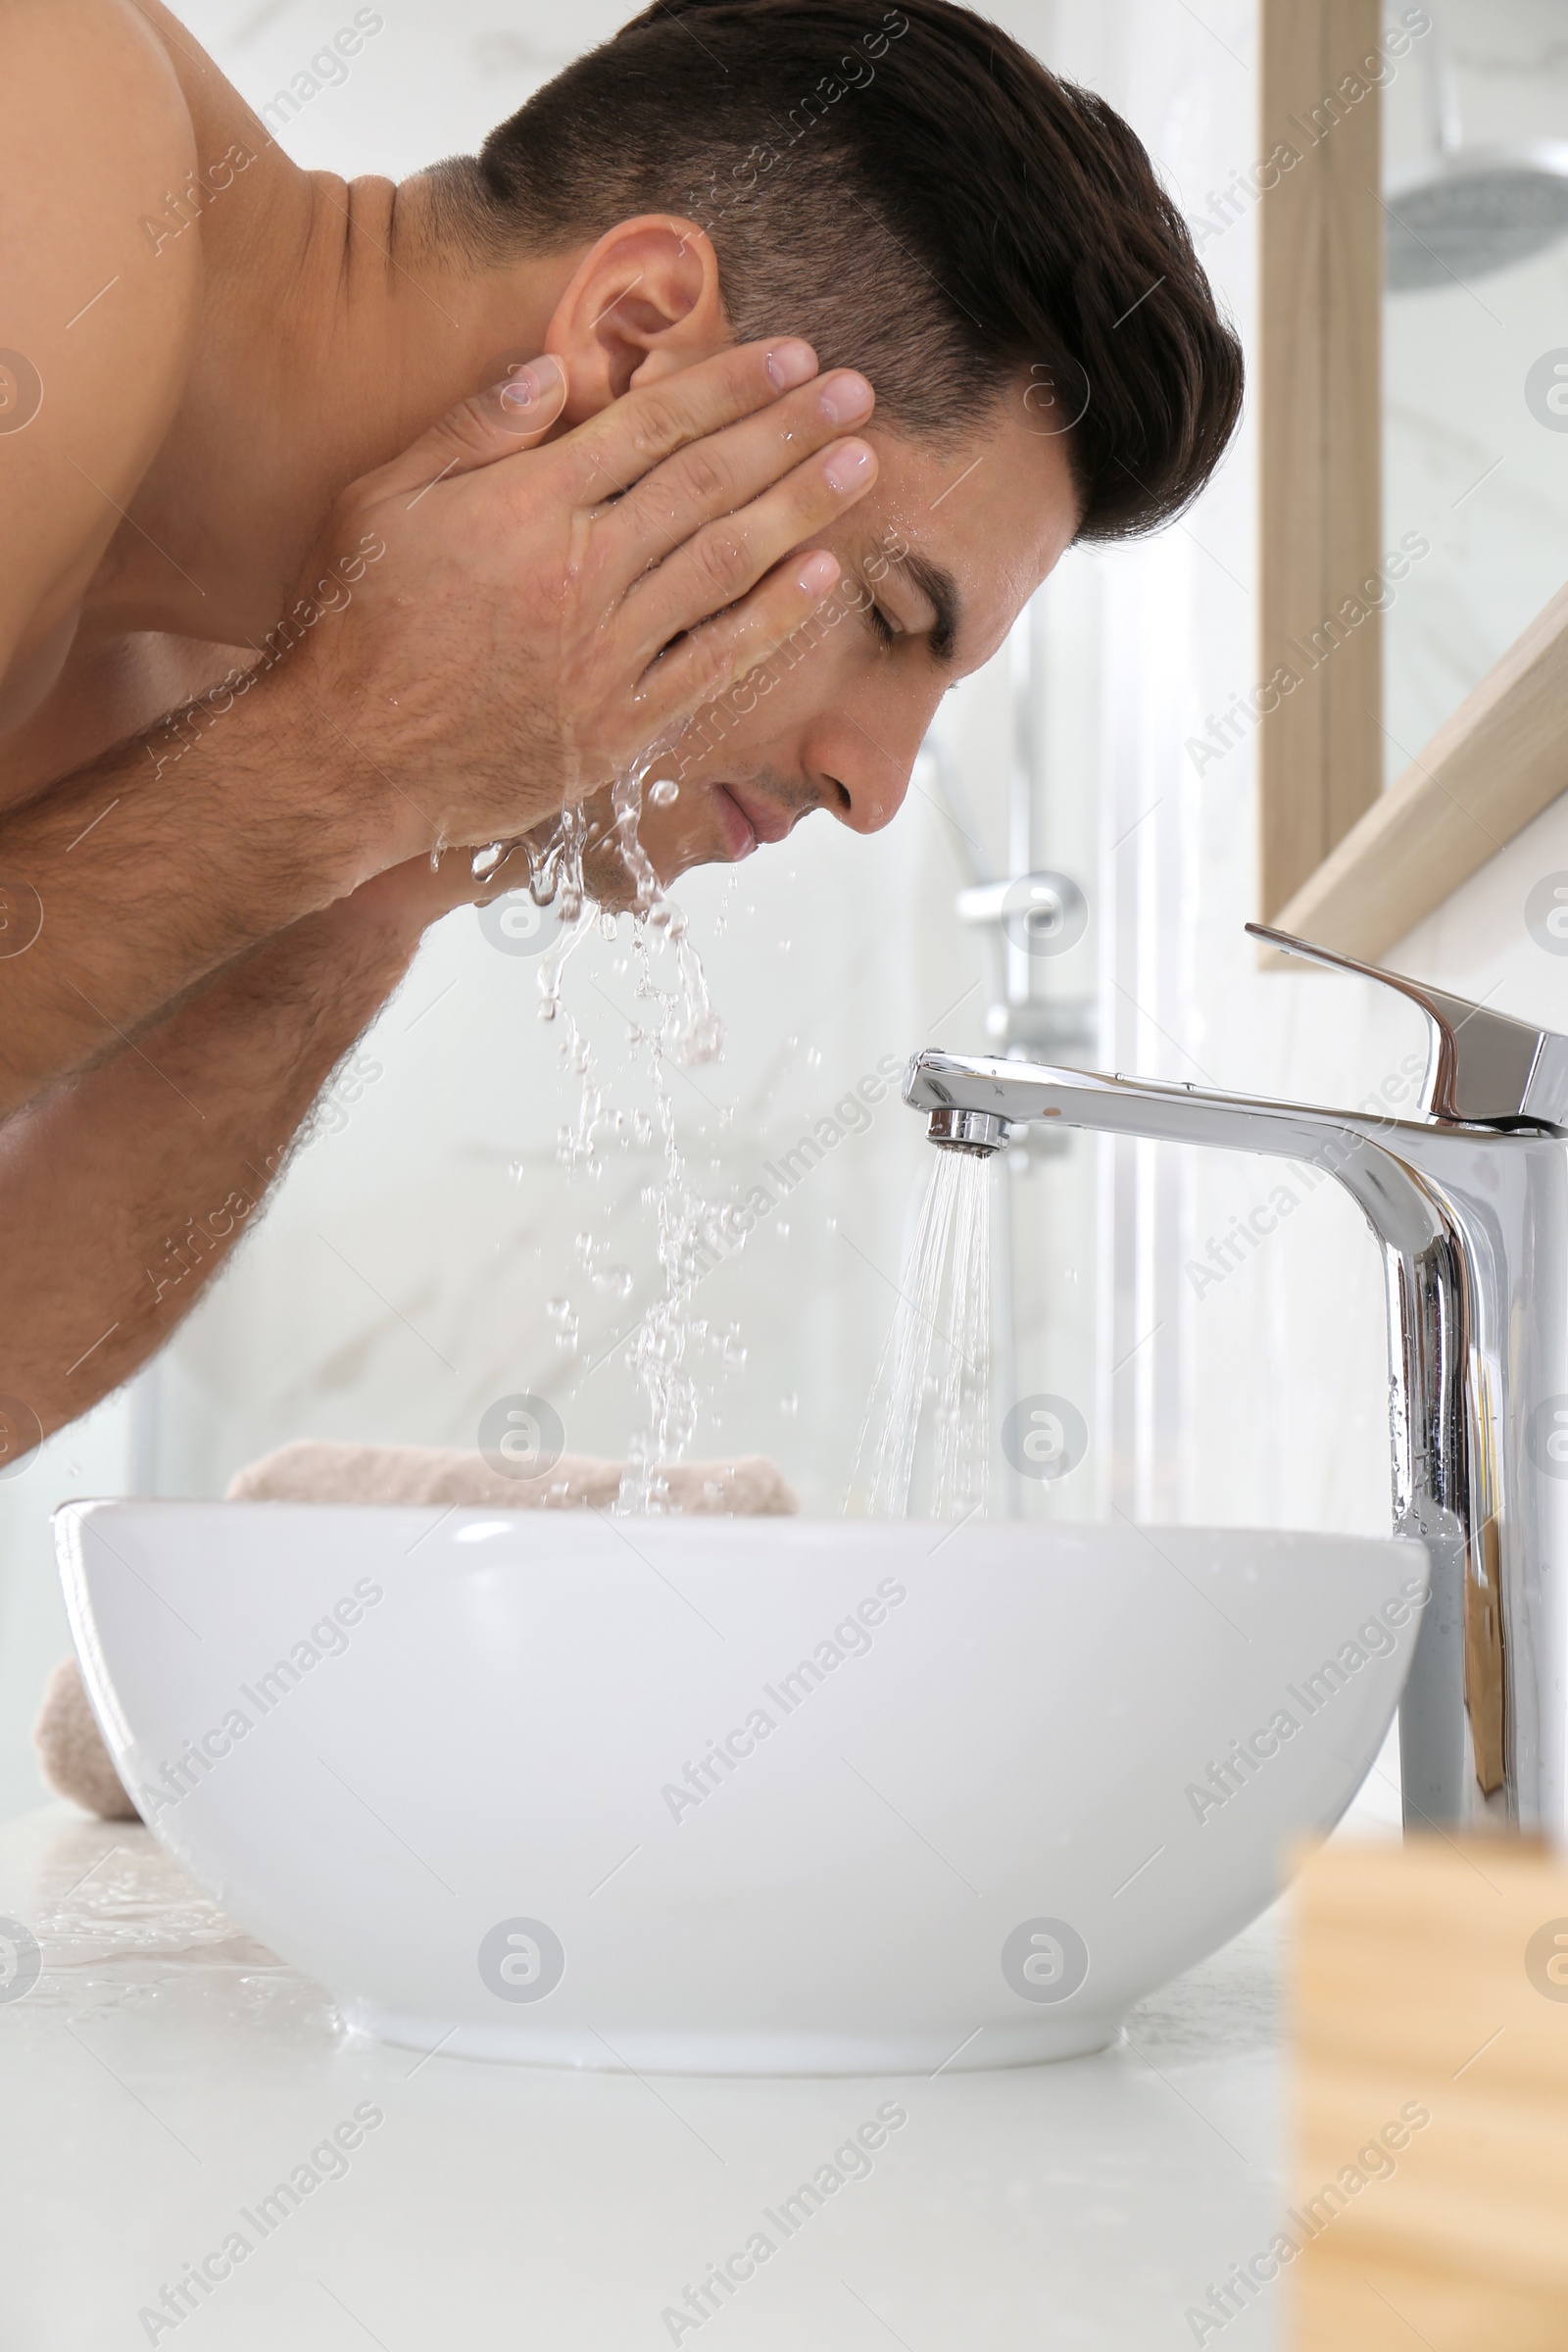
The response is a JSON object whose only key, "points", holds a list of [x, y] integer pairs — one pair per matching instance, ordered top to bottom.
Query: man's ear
{"points": [[642, 302]]}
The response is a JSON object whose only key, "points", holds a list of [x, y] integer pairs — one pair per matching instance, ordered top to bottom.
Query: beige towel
{"points": [[316, 1471], [71, 1751]]}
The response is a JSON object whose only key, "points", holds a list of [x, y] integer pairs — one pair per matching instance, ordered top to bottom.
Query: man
{"points": [[425, 508]]}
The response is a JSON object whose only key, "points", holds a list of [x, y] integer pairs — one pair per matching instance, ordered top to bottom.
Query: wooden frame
{"points": [[1320, 746], [1498, 762], [1344, 862]]}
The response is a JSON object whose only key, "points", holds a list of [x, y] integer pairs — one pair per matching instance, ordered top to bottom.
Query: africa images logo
{"points": [[21, 391], [1546, 391], [522, 1437], [1044, 1437], [1547, 1437], [521, 1960], [1045, 1960]]}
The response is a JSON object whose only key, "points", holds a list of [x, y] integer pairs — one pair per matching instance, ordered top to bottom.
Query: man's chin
{"points": [[702, 826], [671, 856]]}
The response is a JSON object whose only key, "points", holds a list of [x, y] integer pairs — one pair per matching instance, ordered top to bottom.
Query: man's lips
{"points": [[760, 819], [740, 834]]}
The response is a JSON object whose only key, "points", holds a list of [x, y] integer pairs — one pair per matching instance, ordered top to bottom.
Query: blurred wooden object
{"points": [[1320, 430], [1430, 1981]]}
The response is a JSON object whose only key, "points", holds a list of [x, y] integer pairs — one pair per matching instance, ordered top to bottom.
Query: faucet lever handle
{"points": [[1483, 1069]]}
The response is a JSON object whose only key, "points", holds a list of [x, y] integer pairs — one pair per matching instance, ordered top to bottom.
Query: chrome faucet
{"points": [[1469, 1206]]}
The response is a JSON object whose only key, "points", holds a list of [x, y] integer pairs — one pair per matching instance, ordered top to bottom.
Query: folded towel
{"points": [[312, 1470], [71, 1751]]}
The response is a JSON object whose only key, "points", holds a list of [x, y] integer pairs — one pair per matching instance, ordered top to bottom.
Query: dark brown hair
{"points": [[916, 195]]}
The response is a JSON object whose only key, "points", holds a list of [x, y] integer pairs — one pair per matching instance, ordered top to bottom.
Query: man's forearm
{"points": [[125, 886], [124, 1189]]}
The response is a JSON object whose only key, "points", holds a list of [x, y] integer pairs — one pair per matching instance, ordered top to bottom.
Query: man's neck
{"points": [[336, 326]]}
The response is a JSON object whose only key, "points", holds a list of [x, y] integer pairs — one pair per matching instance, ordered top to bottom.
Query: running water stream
{"points": [[680, 1026], [925, 1444], [924, 1447]]}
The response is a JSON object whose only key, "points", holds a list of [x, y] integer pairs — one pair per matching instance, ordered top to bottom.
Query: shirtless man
{"points": [[271, 462]]}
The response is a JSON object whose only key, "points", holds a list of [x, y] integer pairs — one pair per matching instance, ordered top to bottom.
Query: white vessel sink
{"points": [[448, 1763]]}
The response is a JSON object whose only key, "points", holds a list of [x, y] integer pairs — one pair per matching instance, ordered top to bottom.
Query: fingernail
{"points": [[790, 363], [534, 384], [846, 398], [849, 466], [818, 572]]}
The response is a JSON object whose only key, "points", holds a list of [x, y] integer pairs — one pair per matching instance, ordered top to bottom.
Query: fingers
{"points": [[496, 422], [626, 440], [718, 476], [725, 559], [714, 656]]}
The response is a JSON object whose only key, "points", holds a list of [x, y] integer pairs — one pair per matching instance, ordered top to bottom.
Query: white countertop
{"points": [[165, 2072]]}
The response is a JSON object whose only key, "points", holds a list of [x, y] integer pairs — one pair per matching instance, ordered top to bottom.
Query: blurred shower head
{"points": [[1463, 213], [1468, 213]]}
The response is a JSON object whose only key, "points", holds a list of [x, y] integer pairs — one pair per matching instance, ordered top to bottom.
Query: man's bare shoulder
{"points": [[95, 144]]}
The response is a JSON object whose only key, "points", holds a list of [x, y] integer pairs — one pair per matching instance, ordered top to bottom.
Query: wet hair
{"points": [[916, 195]]}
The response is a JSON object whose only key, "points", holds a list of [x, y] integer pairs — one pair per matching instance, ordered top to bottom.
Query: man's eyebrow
{"points": [[940, 591]]}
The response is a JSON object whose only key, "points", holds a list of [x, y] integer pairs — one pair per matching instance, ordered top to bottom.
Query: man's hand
{"points": [[544, 613], [512, 648]]}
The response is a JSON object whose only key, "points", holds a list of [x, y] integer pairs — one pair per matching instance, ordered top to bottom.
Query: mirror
{"points": [[1413, 239], [1475, 398]]}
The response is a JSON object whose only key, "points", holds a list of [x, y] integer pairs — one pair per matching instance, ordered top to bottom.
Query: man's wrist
{"points": [[323, 818], [403, 901]]}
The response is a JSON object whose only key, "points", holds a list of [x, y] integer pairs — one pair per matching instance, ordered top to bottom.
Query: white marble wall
{"points": [[400, 1280]]}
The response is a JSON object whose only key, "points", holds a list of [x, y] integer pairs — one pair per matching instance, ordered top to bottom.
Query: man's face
{"points": [[938, 558]]}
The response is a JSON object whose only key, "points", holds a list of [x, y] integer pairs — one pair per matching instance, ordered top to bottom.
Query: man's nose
{"points": [[861, 761]]}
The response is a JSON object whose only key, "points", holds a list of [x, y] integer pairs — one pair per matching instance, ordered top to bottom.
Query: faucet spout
{"points": [[956, 1088], [1470, 1215]]}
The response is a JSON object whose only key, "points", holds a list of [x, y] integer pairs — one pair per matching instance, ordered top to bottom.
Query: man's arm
{"points": [[487, 630], [128, 885], [124, 1189]]}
